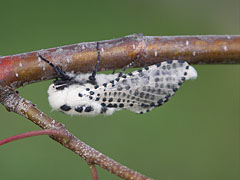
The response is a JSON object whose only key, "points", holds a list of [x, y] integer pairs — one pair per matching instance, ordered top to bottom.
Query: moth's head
{"points": [[52, 89]]}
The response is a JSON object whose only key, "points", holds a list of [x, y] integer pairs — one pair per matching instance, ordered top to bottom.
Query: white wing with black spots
{"points": [[147, 88]]}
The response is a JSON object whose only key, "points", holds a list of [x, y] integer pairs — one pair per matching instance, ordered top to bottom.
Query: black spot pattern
{"points": [[158, 64], [141, 74], [156, 79], [95, 87], [127, 87], [119, 88], [136, 93], [141, 94], [147, 96], [152, 104], [110, 105], [65, 107], [79, 109], [88, 109], [103, 109]]}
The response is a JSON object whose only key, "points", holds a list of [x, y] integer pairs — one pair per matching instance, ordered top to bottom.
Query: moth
{"points": [[139, 91]]}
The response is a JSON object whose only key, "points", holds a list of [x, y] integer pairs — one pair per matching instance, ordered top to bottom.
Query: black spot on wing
{"points": [[158, 64], [146, 68], [119, 88], [121, 105]]}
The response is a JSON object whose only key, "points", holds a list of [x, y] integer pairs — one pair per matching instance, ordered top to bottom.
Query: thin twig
{"points": [[31, 134], [94, 173]]}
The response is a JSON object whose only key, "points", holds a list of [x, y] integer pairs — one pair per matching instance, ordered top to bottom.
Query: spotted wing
{"points": [[147, 88]]}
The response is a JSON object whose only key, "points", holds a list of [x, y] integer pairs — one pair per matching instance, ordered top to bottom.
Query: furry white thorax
{"points": [[140, 91], [70, 96]]}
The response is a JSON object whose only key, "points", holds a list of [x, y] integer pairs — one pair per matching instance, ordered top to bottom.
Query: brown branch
{"points": [[22, 69], [13, 102]]}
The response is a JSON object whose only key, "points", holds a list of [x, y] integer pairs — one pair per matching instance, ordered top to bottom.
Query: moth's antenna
{"points": [[127, 66], [58, 70], [92, 78]]}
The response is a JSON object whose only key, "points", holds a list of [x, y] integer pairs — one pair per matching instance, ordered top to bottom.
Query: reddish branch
{"points": [[22, 69], [31, 134], [94, 173]]}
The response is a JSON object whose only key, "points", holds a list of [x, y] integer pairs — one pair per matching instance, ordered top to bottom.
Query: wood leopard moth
{"points": [[139, 91]]}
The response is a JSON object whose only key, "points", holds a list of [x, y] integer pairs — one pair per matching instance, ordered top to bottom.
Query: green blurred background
{"points": [[195, 136]]}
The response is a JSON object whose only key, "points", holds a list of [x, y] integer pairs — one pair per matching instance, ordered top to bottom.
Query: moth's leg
{"points": [[127, 66], [58, 70], [92, 78]]}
